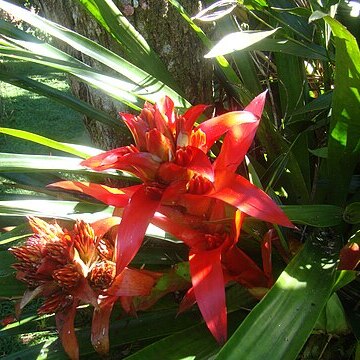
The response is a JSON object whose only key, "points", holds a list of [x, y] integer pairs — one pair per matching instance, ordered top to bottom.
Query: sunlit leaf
{"points": [[216, 11], [238, 41], [132, 42], [14, 78], [142, 83], [344, 133], [26, 135], [284, 318]]}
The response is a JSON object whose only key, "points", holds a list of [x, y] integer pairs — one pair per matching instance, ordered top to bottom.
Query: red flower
{"points": [[170, 157], [215, 260], [72, 267]]}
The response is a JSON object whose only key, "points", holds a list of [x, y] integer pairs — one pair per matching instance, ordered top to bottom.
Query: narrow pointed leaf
{"points": [[238, 41], [143, 80], [59, 96], [344, 134], [68, 148], [20, 162], [55, 209], [314, 215], [285, 317], [200, 345]]}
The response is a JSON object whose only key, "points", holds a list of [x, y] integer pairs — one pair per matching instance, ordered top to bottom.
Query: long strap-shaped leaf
{"points": [[132, 42], [96, 51], [114, 87], [344, 133], [77, 150], [15, 163], [280, 324]]}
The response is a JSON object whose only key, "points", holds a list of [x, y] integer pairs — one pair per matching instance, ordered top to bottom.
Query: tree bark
{"points": [[166, 32]]}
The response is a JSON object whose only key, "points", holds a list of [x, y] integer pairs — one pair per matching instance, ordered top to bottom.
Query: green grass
{"points": [[24, 110]]}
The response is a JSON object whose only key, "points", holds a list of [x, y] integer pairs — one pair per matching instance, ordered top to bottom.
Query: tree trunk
{"points": [[166, 33]]}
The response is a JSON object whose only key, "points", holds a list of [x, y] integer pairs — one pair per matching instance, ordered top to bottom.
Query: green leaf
{"points": [[238, 41], [132, 42], [292, 47], [140, 84], [115, 87], [323, 102], [344, 133], [68, 148], [321, 152], [21, 162], [44, 163], [57, 209], [352, 213], [314, 215], [14, 235], [344, 277], [10, 287], [332, 319], [278, 327], [127, 330], [197, 342], [192, 343]]}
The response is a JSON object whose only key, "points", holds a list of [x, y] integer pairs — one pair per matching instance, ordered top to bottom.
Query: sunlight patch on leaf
{"points": [[216, 11], [238, 41], [288, 282]]}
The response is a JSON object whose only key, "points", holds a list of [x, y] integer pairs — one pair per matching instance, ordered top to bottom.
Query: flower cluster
{"points": [[183, 191], [69, 267]]}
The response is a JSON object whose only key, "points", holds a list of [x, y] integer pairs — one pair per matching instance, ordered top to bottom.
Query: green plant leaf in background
{"points": [[132, 42], [143, 84], [344, 133], [68, 148], [314, 215], [280, 324]]}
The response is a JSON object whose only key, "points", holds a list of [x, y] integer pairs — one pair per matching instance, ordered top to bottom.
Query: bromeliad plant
{"points": [[201, 202]]}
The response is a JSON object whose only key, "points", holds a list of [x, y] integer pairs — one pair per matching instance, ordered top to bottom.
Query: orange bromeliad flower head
{"points": [[167, 148], [69, 267]]}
